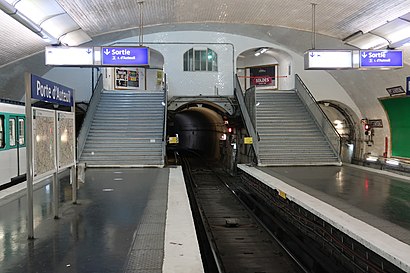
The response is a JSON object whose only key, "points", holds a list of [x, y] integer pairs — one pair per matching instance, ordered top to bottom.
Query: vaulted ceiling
{"points": [[334, 18]]}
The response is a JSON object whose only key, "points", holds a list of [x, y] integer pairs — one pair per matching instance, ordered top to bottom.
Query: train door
{"points": [[17, 144]]}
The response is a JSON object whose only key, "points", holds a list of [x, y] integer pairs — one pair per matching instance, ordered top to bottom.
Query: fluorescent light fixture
{"points": [[47, 19], [394, 31], [393, 34], [75, 38], [368, 41], [260, 51], [371, 159], [392, 162]]}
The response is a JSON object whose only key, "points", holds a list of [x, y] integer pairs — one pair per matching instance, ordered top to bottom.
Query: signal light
{"points": [[367, 129], [230, 130]]}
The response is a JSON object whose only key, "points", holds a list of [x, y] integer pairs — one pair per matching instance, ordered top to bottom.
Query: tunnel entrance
{"points": [[205, 129]]}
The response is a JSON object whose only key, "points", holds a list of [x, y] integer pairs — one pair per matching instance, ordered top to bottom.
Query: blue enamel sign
{"points": [[125, 56], [381, 58], [48, 91]]}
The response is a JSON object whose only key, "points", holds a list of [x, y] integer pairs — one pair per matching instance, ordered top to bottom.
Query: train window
{"points": [[200, 59], [21, 131], [12, 132], [2, 143]]}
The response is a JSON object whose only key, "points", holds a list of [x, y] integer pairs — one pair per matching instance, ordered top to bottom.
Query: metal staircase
{"points": [[126, 131], [288, 133]]}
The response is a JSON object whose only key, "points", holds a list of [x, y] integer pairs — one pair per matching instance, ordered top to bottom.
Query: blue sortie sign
{"points": [[125, 56], [381, 58], [48, 91]]}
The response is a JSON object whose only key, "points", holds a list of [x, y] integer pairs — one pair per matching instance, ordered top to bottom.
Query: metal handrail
{"points": [[89, 115], [320, 117], [250, 126], [164, 128]]}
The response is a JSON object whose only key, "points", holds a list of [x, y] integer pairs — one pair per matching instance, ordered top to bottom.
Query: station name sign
{"points": [[97, 56], [353, 59], [48, 91]]}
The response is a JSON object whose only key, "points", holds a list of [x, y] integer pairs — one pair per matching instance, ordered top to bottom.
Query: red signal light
{"points": [[367, 127], [230, 130]]}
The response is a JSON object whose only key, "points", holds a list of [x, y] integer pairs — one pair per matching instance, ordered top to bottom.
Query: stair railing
{"points": [[89, 116], [320, 117], [247, 118], [164, 126]]}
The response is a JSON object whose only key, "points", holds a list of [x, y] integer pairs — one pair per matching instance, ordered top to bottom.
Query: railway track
{"points": [[231, 238]]}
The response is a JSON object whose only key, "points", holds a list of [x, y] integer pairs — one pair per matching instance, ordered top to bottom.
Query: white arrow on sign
{"points": [[107, 52], [364, 55]]}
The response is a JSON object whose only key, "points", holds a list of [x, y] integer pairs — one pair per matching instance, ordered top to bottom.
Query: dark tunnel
{"points": [[199, 129]]}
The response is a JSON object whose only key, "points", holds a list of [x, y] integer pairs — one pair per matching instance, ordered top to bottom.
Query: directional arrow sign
{"points": [[69, 56], [125, 56], [381, 58], [328, 59]]}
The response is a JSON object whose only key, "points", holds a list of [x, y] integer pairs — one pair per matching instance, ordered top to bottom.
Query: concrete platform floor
{"points": [[93, 236]]}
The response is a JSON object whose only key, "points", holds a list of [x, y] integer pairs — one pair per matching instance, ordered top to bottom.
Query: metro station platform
{"points": [[370, 206], [126, 220]]}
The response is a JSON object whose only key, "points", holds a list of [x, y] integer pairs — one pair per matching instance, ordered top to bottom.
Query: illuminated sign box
{"points": [[69, 56], [124, 56], [381, 58], [328, 59]]}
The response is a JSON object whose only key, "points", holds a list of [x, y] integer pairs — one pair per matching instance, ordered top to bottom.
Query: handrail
{"points": [[250, 102], [92, 106], [246, 117], [320, 117], [164, 128]]}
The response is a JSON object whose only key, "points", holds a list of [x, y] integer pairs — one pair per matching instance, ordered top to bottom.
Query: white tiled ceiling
{"points": [[335, 18]]}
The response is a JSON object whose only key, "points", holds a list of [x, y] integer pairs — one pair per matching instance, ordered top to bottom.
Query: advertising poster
{"points": [[263, 77], [128, 78]]}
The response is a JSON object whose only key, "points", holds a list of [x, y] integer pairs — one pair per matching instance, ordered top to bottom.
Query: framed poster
{"points": [[263, 77], [129, 78], [65, 139], [44, 142]]}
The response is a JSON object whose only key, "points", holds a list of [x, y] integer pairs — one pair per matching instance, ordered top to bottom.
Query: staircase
{"points": [[126, 131], [288, 134]]}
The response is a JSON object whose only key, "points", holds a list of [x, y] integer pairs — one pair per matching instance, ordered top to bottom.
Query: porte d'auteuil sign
{"points": [[48, 91]]}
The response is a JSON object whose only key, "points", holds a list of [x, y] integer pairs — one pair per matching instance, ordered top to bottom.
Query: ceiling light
{"points": [[47, 19], [394, 31], [393, 34], [368, 41]]}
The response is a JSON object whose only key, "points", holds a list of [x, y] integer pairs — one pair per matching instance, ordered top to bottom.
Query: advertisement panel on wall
{"points": [[263, 77], [129, 78]]}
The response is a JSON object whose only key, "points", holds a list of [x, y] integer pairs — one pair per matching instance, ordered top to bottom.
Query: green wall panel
{"points": [[398, 111]]}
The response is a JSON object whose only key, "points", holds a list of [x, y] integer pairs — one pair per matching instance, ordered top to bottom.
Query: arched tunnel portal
{"points": [[201, 127]]}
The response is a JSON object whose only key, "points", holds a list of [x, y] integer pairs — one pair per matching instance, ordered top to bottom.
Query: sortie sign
{"points": [[125, 56], [381, 58]]}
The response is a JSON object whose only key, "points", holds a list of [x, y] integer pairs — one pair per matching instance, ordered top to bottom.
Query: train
{"points": [[12, 143]]}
